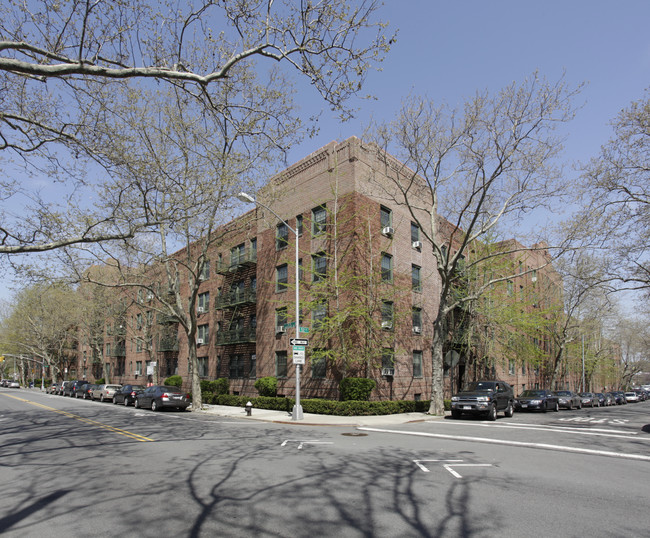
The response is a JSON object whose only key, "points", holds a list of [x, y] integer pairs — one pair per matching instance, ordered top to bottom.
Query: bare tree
{"points": [[67, 69], [490, 163], [615, 221]]}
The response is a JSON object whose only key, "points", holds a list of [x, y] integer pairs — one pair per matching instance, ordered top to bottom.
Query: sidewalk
{"points": [[311, 419]]}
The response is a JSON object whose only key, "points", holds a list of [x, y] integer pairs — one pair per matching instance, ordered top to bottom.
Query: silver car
{"points": [[104, 392]]}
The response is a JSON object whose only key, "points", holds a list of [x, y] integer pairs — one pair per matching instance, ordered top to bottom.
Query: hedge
{"points": [[327, 407]]}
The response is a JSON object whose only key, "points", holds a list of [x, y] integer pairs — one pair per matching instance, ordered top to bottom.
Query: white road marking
{"points": [[561, 429], [301, 442], [522, 444], [426, 469], [457, 475]]}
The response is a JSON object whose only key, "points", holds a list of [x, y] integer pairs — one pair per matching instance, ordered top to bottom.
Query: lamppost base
{"points": [[297, 413]]}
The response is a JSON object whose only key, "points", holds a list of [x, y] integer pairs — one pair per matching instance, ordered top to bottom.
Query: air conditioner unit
{"points": [[387, 231], [417, 245], [150, 297], [201, 309], [386, 324], [280, 329], [417, 329], [199, 341], [388, 371]]}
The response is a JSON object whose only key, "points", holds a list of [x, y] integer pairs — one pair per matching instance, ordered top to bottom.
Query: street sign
{"points": [[289, 325], [303, 329], [299, 342], [299, 348], [298, 355]]}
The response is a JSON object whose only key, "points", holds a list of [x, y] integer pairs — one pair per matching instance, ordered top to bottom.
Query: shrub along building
{"points": [[368, 288]]}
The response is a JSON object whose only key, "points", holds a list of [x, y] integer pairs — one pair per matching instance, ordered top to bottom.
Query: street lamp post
{"points": [[244, 197]]}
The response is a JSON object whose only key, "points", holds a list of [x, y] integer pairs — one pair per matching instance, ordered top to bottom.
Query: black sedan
{"points": [[126, 395], [159, 396], [537, 399], [568, 399]]}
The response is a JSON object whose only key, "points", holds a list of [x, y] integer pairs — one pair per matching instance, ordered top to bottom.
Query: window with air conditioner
{"points": [[387, 315], [202, 337], [387, 362]]}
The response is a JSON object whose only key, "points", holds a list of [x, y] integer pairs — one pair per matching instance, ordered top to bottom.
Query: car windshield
{"points": [[480, 385], [532, 393], [563, 393]]}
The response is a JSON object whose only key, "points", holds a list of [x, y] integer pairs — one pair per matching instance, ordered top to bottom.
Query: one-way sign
{"points": [[299, 342]]}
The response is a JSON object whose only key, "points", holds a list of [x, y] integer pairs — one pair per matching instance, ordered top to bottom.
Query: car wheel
{"points": [[101, 398], [114, 401], [126, 402], [136, 404], [154, 406], [580, 406], [557, 407], [570, 407], [510, 410], [492, 414]]}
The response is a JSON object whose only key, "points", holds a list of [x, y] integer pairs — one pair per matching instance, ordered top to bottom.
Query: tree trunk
{"points": [[197, 400], [437, 405]]}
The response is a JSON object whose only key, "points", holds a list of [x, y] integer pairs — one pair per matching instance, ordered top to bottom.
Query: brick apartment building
{"points": [[368, 291]]}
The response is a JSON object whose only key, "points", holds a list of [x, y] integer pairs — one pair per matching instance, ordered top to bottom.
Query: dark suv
{"points": [[71, 389], [484, 398]]}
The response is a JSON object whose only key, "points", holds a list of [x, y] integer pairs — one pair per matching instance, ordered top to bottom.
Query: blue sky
{"points": [[447, 50]]}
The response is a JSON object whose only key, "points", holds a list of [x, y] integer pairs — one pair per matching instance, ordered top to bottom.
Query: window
{"points": [[385, 217], [318, 220], [299, 224], [415, 232], [281, 236], [253, 249], [443, 251], [237, 254], [320, 266], [386, 267], [205, 270], [281, 277], [416, 283], [510, 288], [203, 304], [318, 314], [387, 315], [281, 317], [417, 320], [138, 322], [202, 334], [138, 345], [387, 358], [280, 364], [417, 364], [203, 366], [318, 366], [138, 367], [236, 367], [511, 367], [252, 368], [523, 368]]}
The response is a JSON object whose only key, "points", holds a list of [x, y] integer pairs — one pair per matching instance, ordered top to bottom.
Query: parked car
{"points": [[4, 383], [14, 385], [70, 387], [53, 388], [81, 390], [87, 391], [104, 392], [641, 394], [126, 395], [159, 396], [620, 397], [631, 397], [484, 398], [601, 398], [537, 399], [568, 399], [589, 399], [611, 399]]}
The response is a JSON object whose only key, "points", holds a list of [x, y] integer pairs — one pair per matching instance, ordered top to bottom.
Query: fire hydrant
{"points": [[249, 409]]}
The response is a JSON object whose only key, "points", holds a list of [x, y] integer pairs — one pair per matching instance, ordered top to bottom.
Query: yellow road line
{"points": [[126, 433]]}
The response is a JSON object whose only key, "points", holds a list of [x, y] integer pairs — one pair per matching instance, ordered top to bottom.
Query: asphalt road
{"points": [[80, 468]]}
